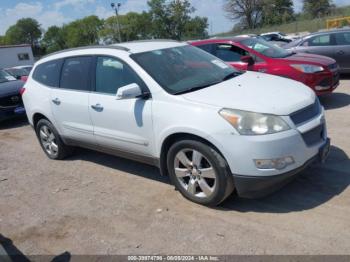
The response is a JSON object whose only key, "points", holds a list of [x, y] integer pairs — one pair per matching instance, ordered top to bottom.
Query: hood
{"points": [[310, 58], [11, 87], [256, 92]]}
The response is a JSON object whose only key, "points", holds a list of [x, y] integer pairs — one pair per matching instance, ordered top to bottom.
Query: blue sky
{"points": [[53, 12]]}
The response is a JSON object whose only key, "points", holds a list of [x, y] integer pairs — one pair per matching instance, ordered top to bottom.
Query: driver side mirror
{"points": [[248, 59], [129, 91]]}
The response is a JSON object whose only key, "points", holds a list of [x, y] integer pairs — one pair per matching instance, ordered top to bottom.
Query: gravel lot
{"points": [[94, 203]]}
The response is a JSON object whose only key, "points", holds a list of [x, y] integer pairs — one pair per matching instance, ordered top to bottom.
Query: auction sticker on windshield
{"points": [[219, 64]]}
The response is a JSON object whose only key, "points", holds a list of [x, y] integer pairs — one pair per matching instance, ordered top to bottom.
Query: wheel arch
{"points": [[37, 117], [174, 137]]}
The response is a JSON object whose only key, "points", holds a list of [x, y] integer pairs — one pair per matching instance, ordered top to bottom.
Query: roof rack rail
{"points": [[88, 47]]}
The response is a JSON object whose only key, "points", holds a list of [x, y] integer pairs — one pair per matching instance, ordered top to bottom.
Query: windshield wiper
{"points": [[231, 75], [227, 77], [195, 88]]}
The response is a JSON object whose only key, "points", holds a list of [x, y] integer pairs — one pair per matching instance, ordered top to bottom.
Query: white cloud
{"points": [[77, 4], [134, 6], [34, 10], [103, 12]]}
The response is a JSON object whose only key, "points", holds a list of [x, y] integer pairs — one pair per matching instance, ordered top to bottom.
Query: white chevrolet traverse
{"points": [[211, 128]]}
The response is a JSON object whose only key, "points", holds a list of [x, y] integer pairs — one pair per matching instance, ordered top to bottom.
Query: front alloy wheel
{"points": [[199, 172], [195, 173]]}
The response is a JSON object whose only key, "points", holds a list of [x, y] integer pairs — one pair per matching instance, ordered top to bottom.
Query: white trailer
{"points": [[16, 55]]}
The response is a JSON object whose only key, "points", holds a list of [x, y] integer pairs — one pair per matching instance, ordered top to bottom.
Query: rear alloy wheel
{"points": [[48, 141], [51, 141], [199, 172]]}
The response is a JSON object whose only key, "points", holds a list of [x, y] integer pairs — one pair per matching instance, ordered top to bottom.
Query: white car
{"points": [[211, 128]]}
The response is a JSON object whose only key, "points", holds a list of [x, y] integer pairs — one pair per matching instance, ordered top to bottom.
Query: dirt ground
{"points": [[94, 203]]}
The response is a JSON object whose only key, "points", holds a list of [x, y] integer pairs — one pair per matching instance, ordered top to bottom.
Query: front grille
{"points": [[333, 66], [336, 78], [326, 82], [11, 101], [306, 113], [314, 136]]}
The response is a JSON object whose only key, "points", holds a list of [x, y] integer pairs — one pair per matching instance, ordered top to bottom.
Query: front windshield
{"points": [[266, 48], [184, 69], [5, 77]]}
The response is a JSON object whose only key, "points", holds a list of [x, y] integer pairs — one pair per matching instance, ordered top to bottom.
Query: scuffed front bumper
{"points": [[305, 143], [260, 186]]}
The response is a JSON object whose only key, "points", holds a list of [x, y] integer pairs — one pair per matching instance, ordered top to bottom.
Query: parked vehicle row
{"points": [[334, 44], [19, 72], [320, 73], [11, 104], [210, 127]]}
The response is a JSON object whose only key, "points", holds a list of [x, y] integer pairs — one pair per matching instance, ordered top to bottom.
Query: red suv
{"points": [[254, 54]]}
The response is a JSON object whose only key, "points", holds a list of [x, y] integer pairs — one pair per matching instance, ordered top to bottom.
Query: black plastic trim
{"points": [[256, 187]]}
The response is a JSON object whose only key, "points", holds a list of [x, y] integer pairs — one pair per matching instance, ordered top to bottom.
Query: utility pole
{"points": [[116, 7]]}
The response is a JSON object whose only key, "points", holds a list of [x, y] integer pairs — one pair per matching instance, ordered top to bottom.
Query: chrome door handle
{"points": [[341, 52], [56, 101], [97, 107]]}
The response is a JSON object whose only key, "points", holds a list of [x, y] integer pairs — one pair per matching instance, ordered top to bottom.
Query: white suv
{"points": [[211, 128]]}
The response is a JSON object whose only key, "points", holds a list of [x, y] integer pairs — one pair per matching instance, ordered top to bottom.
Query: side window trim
{"points": [[89, 77], [144, 87]]}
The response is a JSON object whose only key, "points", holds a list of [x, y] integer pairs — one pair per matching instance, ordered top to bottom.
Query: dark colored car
{"points": [[276, 36], [334, 44], [255, 54], [19, 72], [11, 104]]}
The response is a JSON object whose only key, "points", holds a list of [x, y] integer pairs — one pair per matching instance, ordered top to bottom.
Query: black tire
{"points": [[62, 150], [223, 182]]}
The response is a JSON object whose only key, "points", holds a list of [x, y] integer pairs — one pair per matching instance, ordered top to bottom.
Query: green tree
{"points": [[316, 8], [180, 12], [277, 12], [248, 13], [160, 18], [172, 19], [134, 26], [196, 28], [25, 31], [82, 32], [54, 39], [2, 40]]}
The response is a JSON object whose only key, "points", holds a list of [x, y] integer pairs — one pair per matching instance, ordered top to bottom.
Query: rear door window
{"points": [[342, 38], [321, 40], [48, 73], [76, 73]]}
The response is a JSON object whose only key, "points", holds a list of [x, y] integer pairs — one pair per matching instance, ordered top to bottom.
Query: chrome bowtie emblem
{"points": [[15, 99]]}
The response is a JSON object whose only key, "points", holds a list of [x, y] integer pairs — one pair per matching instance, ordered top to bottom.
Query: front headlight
{"points": [[309, 69], [249, 123]]}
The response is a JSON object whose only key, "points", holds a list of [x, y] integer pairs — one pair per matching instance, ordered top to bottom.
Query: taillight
{"points": [[24, 78], [22, 90]]}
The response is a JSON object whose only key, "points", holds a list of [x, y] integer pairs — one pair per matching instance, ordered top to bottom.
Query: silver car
{"points": [[335, 44]]}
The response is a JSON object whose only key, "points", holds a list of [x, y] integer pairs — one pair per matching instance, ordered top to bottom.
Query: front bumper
{"points": [[324, 82], [10, 112], [303, 143], [256, 187]]}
